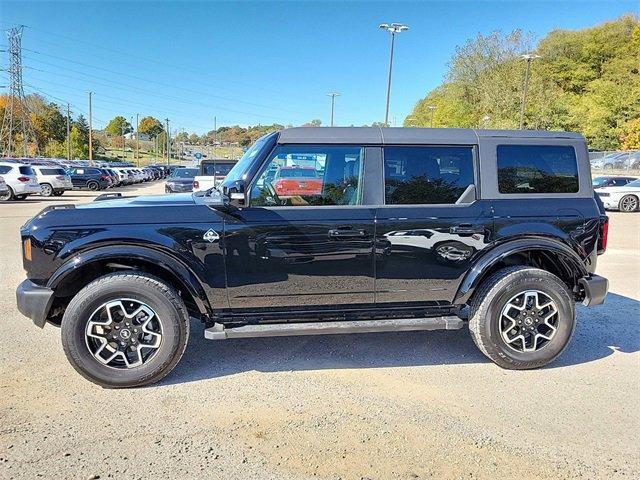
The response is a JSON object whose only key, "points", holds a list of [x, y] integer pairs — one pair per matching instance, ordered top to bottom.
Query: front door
{"points": [[431, 226], [305, 240]]}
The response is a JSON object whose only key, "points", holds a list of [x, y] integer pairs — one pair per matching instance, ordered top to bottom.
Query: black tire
{"points": [[93, 186], [46, 190], [58, 193], [5, 197], [20, 197], [628, 203], [495, 292], [160, 297]]}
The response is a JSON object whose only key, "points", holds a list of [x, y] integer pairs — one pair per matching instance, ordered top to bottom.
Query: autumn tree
{"points": [[150, 126]]}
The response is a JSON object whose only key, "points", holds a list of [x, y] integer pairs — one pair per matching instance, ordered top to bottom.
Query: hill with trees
{"points": [[586, 81]]}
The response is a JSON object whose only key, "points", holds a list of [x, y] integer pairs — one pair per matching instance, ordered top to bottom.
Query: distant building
{"points": [[132, 136]]}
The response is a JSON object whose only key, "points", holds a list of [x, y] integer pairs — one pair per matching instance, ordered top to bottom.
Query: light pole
{"points": [[392, 28], [527, 57], [333, 96], [431, 109]]}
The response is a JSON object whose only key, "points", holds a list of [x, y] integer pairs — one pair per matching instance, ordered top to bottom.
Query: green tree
{"points": [[118, 126], [150, 126], [631, 137], [79, 144]]}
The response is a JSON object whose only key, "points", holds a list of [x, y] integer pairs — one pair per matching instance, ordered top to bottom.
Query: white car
{"points": [[123, 176], [20, 179], [53, 180], [625, 198], [447, 247]]}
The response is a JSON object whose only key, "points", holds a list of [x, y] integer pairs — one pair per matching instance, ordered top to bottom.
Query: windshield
{"points": [[243, 164], [184, 173], [598, 181]]}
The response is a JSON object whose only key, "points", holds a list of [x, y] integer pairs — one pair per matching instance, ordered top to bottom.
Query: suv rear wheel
{"points": [[93, 185], [46, 190], [522, 317], [125, 330]]}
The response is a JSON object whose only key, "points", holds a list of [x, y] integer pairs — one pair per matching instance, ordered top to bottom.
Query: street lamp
{"points": [[392, 28], [527, 57], [333, 96], [431, 109]]}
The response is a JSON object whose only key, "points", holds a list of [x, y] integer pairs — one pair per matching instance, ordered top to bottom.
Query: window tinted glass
{"points": [[4, 169], [221, 169], [537, 169], [26, 171], [52, 171], [185, 172], [310, 175], [424, 175]]}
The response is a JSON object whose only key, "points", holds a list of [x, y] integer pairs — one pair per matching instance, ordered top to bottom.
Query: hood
{"points": [[144, 201], [157, 209]]}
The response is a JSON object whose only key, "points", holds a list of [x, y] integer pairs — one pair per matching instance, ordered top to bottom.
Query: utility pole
{"points": [[392, 29], [527, 57], [333, 96], [431, 109], [90, 129], [68, 135], [215, 135], [138, 138], [168, 141], [124, 156]]}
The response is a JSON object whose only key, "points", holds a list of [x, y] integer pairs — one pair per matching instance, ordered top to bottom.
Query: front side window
{"points": [[537, 169], [300, 175], [426, 175]]}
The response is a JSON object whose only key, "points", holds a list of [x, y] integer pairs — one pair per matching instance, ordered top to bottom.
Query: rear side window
{"points": [[4, 169], [217, 169], [537, 169], [26, 170], [52, 171], [426, 175]]}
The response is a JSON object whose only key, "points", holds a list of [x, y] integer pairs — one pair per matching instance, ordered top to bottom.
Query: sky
{"points": [[253, 63]]}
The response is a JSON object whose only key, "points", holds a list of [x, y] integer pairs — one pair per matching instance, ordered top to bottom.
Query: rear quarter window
{"points": [[4, 169], [524, 169], [24, 170]]}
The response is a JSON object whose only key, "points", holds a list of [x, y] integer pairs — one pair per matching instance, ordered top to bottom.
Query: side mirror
{"points": [[236, 194]]}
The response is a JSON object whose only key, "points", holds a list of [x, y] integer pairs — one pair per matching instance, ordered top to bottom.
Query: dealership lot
{"points": [[378, 406]]}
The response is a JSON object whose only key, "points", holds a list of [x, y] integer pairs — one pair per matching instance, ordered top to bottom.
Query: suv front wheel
{"points": [[522, 317], [125, 329]]}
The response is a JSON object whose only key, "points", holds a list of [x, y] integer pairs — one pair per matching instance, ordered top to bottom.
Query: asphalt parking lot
{"points": [[410, 405]]}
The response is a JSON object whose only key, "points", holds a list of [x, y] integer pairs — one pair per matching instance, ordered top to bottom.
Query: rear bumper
{"points": [[595, 290], [34, 301]]}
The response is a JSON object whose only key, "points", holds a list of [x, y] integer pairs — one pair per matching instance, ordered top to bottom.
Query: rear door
{"points": [[431, 225], [308, 247]]}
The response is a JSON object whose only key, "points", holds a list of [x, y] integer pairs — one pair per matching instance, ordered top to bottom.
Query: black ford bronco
{"points": [[324, 231]]}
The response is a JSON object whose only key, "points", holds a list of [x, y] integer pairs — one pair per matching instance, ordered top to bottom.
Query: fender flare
{"points": [[494, 255], [166, 261]]}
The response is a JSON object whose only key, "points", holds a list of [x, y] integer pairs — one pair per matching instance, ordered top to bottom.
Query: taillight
{"points": [[61, 177], [104, 177], [24, 179], [196, 184], [604, 236]]}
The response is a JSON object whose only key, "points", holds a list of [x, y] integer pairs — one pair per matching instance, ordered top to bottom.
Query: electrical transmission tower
{"points": [[17, 130]]}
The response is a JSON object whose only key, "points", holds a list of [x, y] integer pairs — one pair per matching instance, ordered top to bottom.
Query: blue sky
{"points": [[259, 62]]}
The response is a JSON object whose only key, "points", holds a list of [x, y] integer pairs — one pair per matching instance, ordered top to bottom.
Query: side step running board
{"points": [[219, 332]]}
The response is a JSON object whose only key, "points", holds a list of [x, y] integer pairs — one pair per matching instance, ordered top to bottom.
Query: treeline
{"points": [[586, 81]]}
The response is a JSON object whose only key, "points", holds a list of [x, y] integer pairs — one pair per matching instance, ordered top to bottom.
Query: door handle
{"points": [[466, 229], [345, 233]]}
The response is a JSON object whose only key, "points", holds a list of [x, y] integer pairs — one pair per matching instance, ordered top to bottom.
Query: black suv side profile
{"points": [[398, 229]]}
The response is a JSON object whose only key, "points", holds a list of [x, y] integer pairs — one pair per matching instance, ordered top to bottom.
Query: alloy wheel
{"points": [[46, 190], [629, 203], [528, 321], [123, 333]]}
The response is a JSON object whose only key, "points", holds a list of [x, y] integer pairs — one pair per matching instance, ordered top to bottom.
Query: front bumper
{"points": [[595, 290], [34, 301]]}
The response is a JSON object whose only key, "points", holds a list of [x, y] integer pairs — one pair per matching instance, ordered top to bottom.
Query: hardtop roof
{"points": [[407, 136]]}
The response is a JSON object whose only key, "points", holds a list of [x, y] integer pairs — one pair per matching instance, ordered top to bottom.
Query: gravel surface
{"points": [[375, 406]]}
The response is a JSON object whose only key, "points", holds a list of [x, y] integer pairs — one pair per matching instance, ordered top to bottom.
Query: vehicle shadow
{"points": [[600, 331]]}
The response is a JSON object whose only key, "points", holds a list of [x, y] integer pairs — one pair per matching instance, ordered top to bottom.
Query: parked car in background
{"points": [[617, 161], [212, 173], [89, 177], [20, 179], [181, 180], [53, 181], [295, 181], [607, 181], [625, 198]]}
